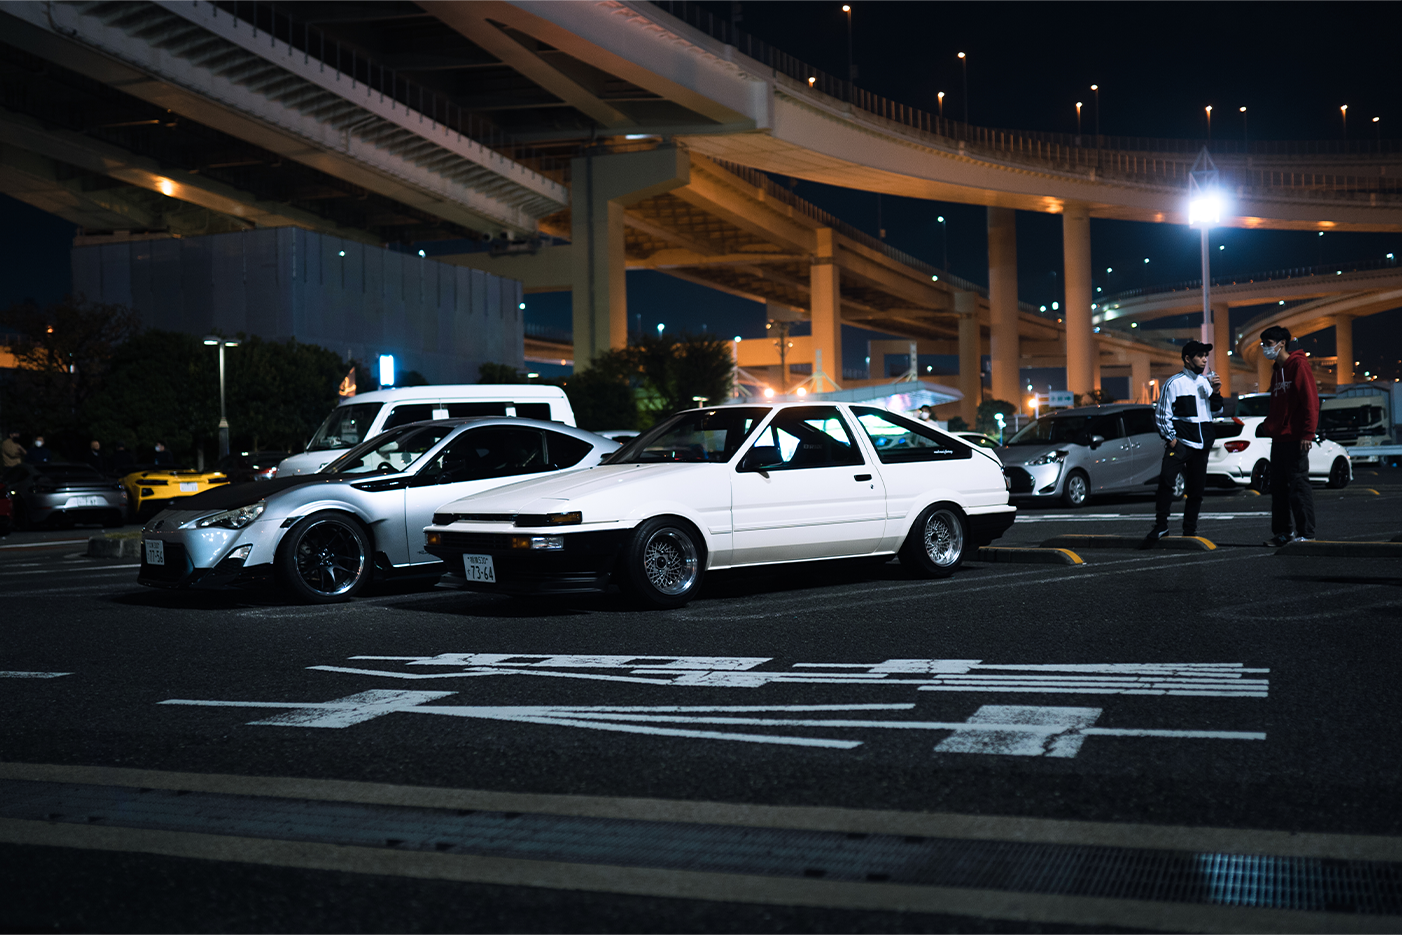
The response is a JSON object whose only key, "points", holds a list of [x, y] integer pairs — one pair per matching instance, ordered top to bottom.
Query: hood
{"points": [[1021, 454], [545, 494], [229, 496]]}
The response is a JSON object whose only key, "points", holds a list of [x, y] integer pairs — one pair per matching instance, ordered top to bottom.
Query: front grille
{"points": [[1022, 480], [476, 541], [177, 564]]}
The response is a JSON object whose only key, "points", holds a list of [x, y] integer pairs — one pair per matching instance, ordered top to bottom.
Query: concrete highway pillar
{"points": [[601, 188], [1002, 301], [825, 310], [1343, 343], [1221, 344], [1082, 355], [970, 375], [1139, 378]]}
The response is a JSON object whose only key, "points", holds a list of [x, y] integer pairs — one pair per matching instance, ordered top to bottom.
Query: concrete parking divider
{"points": [[1177, 543], [119, 545], [1323, 548], [1028, 556]]}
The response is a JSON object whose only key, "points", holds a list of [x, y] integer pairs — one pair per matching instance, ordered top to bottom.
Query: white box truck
{"points": [[1363, 416]]}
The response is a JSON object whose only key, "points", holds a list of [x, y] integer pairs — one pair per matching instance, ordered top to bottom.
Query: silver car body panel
{"points": [[395, 514]]}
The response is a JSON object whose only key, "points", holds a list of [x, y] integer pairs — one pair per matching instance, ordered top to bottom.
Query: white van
{"points": [[359, 417]]}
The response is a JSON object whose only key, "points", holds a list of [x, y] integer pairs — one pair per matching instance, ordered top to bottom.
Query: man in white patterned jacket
{"points": [[1184, 414]]}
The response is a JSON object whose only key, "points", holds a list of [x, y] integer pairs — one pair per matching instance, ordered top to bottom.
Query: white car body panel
{"points": [[1238, 465]]}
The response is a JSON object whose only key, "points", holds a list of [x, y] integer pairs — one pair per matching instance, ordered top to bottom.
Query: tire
{"points": [[1338, 474], [1261, 477], [1077, 489], [936, 543], [325, 558], [663, 563]]}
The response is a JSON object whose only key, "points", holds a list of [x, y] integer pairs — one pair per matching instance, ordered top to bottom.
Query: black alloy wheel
{"points": [[1338, 474], [1261, 477], [1077, 490], [936, 543], [325, 558], [663, 563]]}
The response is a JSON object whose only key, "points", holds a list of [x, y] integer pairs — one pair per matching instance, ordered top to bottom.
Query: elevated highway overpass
{"points": [[395, 122]]}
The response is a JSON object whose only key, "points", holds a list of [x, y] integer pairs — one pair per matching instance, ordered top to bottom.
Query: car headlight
{"points": [[1051, 457], [234, 519], [549, 519]]}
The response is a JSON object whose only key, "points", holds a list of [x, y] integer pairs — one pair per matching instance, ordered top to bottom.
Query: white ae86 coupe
{"points": [[728, 487]]}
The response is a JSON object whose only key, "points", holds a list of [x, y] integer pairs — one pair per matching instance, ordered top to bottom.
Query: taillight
{"points": [[1234, 447]]}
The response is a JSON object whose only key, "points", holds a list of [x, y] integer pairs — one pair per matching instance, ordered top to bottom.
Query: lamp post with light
{"points": [[964, 61], [851, 65], [940, 97], [1344, 111], [1078, 122], [1209, 124], [1245, 136], [1204, 209], [944, 243], [214, 340]]}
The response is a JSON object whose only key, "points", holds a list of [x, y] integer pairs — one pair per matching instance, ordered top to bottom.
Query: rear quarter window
{"points": [[900, 441]]}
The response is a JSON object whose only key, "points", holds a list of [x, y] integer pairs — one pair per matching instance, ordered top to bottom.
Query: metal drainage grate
{"points": [[1327, 885]]}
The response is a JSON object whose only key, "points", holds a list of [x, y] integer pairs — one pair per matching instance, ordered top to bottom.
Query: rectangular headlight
{"points": [[548, 543]]}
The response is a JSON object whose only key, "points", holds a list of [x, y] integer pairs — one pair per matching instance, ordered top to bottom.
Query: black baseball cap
{"points": [[1194, 348]]}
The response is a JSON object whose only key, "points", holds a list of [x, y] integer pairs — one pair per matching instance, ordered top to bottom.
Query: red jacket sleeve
{"points": [[1306, 403]]}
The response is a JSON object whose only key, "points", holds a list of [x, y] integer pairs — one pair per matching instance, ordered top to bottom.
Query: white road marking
{"points": [[44, 543], [95, 570], [33, 675], [1213, 680], [993, 729]]}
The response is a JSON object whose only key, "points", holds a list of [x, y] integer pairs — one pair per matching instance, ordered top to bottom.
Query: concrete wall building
{"points": [[278, 283]]}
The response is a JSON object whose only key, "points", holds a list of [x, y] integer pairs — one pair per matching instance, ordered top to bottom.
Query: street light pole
{"points": [[964, 60], [851, 65], [1344, 110], [1078, 122], [1209, 124], [1245, 135], [1205, 208], [944, 243], [221, 343]]}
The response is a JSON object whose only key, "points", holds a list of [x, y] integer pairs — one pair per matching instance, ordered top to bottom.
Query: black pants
{"points": [[1192, 464], [1291, 494]]}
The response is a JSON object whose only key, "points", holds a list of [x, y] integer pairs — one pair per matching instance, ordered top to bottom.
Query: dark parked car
{"points": [[250, 465], [64, 493], [7, 512]]}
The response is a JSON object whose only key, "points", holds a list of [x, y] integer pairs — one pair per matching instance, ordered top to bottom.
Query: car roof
{"points": [[464, 392], [1107, 407]]}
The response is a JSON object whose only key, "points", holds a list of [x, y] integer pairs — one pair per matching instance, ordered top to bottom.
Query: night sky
{"points": [[1292, 65]]}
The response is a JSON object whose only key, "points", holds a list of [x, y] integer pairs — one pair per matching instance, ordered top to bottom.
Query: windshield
{"points": [[1253, 405], [1352, 417], [346, 426], [1056, 430], [701, 435], [390, 452]]}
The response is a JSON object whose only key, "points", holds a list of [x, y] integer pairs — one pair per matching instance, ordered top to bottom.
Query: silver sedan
{"points": [[322, 536]]}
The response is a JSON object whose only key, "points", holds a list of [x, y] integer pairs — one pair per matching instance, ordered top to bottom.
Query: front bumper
{"points": [[1030, 481], [200, 557], [585, 564], [179, 574]]}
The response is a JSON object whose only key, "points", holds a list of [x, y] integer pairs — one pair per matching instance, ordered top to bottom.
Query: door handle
{"points": [[861, 477]]}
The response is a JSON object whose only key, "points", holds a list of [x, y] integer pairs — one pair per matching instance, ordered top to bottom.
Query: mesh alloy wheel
{"points": [[944, 538], [935, 545], [663, 563]]}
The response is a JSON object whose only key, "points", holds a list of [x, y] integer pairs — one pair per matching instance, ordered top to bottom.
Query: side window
{"points": [[468, 410], [534, 411], [409, 412], [1139, 422], [1108, 426], [810, 437], [899, 440], [565, 450], [490, 452]]}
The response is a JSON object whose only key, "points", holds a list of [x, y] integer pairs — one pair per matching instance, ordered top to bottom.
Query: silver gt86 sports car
{"points": [[323, 536]]}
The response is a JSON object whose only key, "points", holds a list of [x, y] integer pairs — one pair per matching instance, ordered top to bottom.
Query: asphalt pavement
{"points": [[1152, 739]]}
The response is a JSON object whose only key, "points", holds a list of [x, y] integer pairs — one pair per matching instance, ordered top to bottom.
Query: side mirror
{"points": [[1097, 440], [760, 457]]}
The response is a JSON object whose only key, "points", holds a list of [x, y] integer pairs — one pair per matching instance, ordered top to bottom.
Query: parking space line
{"points": [[95, 569]]}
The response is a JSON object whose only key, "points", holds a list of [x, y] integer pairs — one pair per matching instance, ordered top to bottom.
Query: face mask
{"points": [[1271, 352], [1193, 366], [38, 443]]}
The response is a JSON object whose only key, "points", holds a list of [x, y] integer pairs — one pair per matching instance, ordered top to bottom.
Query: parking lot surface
{"points": [[1166, 739]]}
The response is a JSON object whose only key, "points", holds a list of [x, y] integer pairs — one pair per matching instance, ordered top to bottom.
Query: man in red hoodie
{"points": [[1290, 426]]}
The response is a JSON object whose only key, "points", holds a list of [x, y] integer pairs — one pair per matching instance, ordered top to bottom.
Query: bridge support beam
{"points": [[601, 188], [1002, 303], [825, 308], [1222, 343], [1343, 344], [1081, 351], [970, 374], [1139, 378]]}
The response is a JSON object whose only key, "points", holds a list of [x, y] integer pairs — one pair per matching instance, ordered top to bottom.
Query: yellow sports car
{"points": [[152, 489]]}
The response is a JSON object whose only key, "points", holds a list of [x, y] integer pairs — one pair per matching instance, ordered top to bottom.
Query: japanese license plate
{"points": [[189, 487], [84, 501], [155, 551], [479, 568]]}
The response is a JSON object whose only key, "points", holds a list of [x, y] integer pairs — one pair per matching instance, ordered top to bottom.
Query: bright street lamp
{"points": [[964, 60], [851, 66], [941, 100], [1344, 111], [1078, 118], [1209, 123], [1245, 136], [1204, 209], [944, 240], [214, 340]]}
